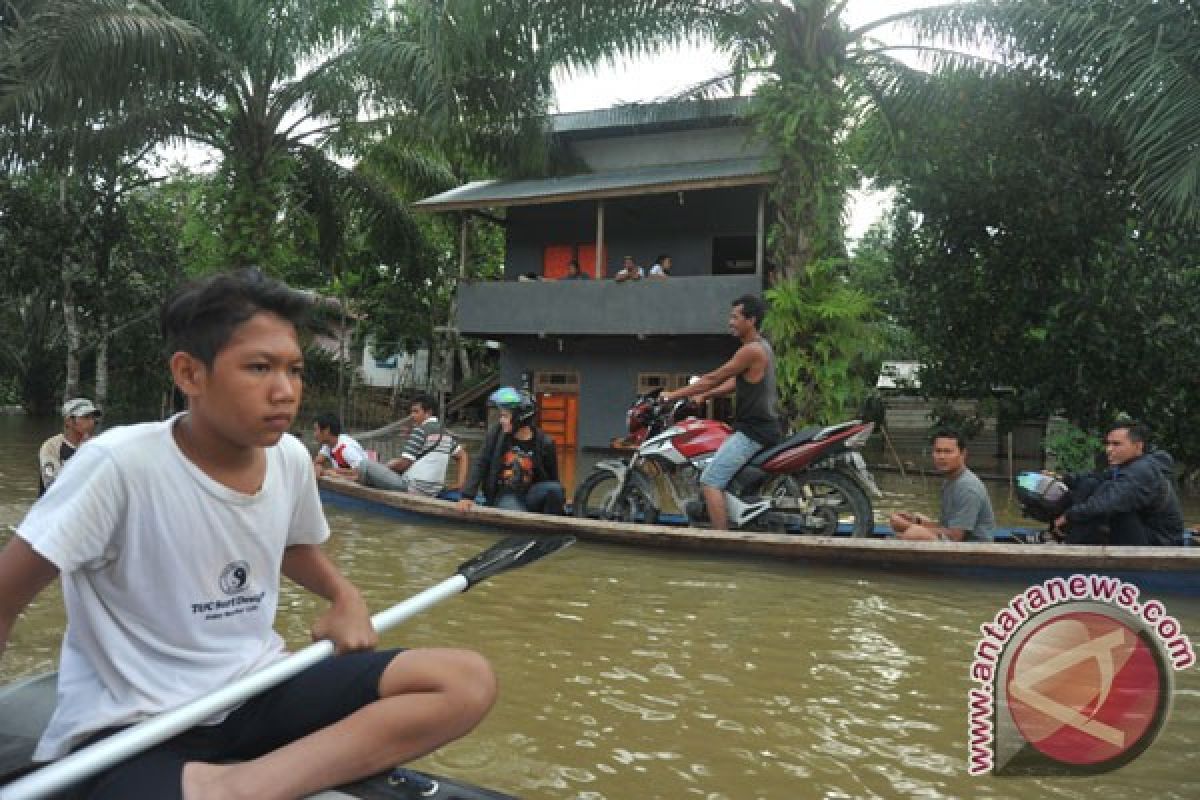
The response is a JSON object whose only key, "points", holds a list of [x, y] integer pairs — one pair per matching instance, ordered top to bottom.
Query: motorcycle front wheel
{"points": [[827, 501], [634, 503]]}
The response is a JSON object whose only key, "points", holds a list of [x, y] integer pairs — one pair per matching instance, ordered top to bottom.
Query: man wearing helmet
{"points": [[517, 467]]}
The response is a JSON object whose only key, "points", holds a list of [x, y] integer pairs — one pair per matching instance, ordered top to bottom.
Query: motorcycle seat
{"points": [[798, 438]]}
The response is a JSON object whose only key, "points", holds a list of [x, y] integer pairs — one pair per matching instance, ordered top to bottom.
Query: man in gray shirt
{"points": [[966, 508]]}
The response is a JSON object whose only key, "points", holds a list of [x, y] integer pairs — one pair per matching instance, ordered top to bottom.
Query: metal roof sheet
{"points": [[684, 113], [598, 185]]}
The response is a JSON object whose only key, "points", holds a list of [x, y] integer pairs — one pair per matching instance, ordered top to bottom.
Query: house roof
{"points": [[659, 116], [599, 185]]}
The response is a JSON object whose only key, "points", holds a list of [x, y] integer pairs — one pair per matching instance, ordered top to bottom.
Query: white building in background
{"points": [[410, 370]]}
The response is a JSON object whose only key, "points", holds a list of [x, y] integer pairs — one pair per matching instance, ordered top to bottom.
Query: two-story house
{"points": [[684, 179]]}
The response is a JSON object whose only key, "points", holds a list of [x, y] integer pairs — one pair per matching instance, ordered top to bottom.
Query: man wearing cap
{"points": [[79, 423]]}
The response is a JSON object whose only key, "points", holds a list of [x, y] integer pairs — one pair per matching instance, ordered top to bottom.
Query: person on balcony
{"points": [[661, 267], [629, 271], [574, 273], [517, 467]]}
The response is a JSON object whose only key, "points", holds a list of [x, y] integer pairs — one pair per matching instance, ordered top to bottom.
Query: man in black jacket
{"points": [[517, 465], [1133, 499]]}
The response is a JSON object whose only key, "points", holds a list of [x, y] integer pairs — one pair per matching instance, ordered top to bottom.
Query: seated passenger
{"points": [[661, 267], [629, 271], [574, 273], [340, 455], [517, 466], [421, 468], [1132, 503], [966, 508]]}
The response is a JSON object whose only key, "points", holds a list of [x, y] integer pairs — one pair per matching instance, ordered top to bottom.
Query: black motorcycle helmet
{"points": [[519, 403], [1042, 497]]}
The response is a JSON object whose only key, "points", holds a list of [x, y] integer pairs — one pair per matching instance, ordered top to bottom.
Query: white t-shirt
{"points": [[346, 453], [170, 579]]}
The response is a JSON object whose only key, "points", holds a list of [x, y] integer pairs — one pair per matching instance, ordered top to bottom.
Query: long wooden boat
{"points": [[1158, 569], [26, 705]]}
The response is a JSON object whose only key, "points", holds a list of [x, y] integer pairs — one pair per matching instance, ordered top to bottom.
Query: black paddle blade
{"points": [[513, 552]]}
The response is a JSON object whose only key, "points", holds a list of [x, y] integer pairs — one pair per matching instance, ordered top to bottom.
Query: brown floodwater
{"points": [[629, 673]]}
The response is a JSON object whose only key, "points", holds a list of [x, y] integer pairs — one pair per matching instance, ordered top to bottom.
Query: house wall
{"points": [[674, 147], [641, 227], [676, 307], [412, 368], [608, 371]]}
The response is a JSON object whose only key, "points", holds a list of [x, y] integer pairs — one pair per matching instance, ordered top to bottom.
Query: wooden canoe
{"points": [[1162, 569]]}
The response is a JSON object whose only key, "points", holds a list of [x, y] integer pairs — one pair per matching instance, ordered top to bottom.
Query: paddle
{"points": [[509, 554]]}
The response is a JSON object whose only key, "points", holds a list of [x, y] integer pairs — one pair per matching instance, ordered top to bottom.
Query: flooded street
{"points": [[632, 673]]}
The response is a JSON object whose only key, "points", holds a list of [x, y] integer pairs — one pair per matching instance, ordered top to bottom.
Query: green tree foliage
{"points": [[1137, 68], [819, 78], [135, 236], [1027, 262], [31, 346], [831, 350]]}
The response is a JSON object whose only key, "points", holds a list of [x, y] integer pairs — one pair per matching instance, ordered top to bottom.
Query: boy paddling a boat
{"points": [[171, 538]]}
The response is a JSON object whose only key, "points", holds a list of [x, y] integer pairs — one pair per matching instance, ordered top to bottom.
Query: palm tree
{"points": [[1137, 66], [818, 79]]}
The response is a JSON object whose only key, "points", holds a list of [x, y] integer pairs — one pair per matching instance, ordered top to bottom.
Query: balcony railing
{"points": [[676, 306]]}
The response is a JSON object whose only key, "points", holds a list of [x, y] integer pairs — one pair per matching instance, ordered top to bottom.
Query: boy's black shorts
{"points": [[316, 698]]}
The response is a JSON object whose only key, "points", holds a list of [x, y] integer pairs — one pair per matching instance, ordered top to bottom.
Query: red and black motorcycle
{"points": [[813, 482]]}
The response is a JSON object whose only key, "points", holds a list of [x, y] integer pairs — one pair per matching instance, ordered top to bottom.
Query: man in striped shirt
{"points": [[421, 468]]}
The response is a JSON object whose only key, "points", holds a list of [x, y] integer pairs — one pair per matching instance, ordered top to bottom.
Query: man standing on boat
{"points": [[750, 377], [79, 423], [517, 467], [1133, 503], [966, 508]]}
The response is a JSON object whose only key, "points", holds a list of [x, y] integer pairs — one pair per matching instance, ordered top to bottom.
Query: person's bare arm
{"points": [[745, 358], [726, 388], [400, 464], [23, 573], [348, 621]]}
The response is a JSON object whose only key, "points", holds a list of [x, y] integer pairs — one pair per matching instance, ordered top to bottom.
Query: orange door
{"points": [[555, 258], [587, 259], [558, 416]]}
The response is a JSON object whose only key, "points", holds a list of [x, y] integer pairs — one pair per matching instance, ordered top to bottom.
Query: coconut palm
{"points": [[1137, 66]]}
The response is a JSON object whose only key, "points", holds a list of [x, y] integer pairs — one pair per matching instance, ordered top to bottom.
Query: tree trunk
{"points": [[70, 315], [102, 362], [464, 363], [341, 388]]}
